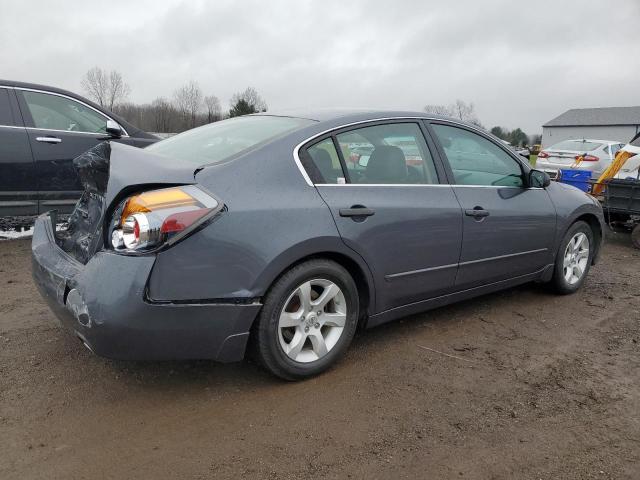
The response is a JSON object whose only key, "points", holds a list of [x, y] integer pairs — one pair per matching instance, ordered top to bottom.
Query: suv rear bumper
{"points": [[104, 304]]}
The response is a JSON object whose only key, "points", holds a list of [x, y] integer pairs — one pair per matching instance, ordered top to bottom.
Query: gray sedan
{"points": [[262, 233]]}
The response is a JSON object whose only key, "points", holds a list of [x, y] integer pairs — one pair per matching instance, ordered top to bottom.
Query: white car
{"points": [[596, 155], [631, 169]]}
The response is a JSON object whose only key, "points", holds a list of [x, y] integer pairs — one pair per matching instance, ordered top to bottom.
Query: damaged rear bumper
{"points": [[104, 304]]}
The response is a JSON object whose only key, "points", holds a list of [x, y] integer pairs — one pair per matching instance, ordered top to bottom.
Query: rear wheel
{"points": [[573, 259], [308, 320]]}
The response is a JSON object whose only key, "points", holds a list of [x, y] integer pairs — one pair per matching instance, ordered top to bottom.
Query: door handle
{"points": [[49, 139], [356, 211], [477, 213]]}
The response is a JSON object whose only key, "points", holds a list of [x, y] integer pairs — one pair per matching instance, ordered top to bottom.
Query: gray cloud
{"points": [[521, 63]]}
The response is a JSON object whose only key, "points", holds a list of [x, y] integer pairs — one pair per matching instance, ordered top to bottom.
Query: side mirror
{"points": [[114, 129], [539, 179]]}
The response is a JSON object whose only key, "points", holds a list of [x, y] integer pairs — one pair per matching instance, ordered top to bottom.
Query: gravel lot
{"points": [[528, 385]]}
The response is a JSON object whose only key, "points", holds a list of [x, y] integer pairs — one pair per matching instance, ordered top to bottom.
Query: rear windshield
{"points": [[220, 141], [575, 145]]}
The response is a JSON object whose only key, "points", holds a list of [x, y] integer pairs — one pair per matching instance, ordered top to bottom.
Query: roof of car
{"points": [[36, 86], [348, 115]]}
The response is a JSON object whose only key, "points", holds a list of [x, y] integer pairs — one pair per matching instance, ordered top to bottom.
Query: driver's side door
{"points": [[59, 129], [508, 228]]}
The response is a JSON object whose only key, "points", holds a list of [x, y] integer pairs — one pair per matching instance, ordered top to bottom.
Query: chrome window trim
{"points": [[46, 92], [12, 126], [66, 131], [296, 150], [452, 185]]}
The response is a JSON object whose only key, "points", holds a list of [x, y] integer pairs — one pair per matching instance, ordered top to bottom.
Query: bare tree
{"points": [[107, 88], [118, 90], [252, 99], [188, 101], [214, 110], [439, 110], [462, 110], [163, 114]]}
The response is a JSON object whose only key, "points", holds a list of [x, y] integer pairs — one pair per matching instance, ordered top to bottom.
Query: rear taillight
{"points": [[543, 154], [587, 158], [151, 219]]}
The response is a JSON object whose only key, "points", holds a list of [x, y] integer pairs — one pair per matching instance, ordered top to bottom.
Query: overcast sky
{"points": [[521, 63]]}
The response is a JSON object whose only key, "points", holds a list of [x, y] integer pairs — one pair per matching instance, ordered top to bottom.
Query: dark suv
{"points": [[42, 129]]}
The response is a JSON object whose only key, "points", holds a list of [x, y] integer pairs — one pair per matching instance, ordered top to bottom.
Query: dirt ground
{"points": [[528, 386]]}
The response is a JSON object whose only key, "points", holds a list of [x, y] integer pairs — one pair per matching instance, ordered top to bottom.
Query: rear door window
{"points": [[395, 153], [323, 163]]}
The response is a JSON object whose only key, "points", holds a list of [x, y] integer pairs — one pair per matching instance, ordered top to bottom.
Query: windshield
{"points": [[219, 141], [575, 146]]}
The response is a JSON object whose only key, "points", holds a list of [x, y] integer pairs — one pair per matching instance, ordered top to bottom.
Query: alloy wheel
{"points": [[576, 256], [312, 320]]}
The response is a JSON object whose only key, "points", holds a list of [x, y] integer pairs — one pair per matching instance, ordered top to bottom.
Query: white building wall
{"points": [[621, 133]]}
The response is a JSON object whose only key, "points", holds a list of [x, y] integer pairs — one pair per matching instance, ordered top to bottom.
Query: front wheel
{"points": [[573, 259], [308, 320]]}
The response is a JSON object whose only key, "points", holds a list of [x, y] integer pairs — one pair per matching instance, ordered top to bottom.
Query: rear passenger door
{"points": [[60, 128], [18, 183], [384, 190], [509, 228]]}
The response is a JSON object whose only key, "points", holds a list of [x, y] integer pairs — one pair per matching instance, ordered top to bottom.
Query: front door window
{"points": [[53, 112], [476, 160]]}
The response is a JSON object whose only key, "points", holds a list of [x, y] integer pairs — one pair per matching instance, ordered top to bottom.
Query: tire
{"points": [[635, 236], [565, 278], [290, 331]]}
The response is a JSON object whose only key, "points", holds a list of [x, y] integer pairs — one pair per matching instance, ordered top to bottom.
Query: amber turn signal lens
{"points": [[157, 200], [153, 218]]}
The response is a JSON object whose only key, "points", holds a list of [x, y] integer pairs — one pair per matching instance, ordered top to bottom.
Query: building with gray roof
{"points": [[609, 123]]}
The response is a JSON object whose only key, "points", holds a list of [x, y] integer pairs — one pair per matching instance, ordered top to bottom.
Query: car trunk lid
{"points": [[562, 157]]}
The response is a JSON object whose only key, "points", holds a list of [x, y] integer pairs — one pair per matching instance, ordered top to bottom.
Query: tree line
{"points": [[188, 107], [466, 112]]}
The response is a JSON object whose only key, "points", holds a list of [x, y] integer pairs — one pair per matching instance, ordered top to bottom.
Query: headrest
{"points": [[323, 163], [387, 164]]}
